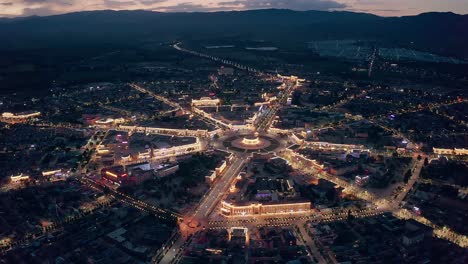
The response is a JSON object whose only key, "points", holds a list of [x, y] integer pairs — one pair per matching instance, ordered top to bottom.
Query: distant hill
{"points": [[443, 33]]}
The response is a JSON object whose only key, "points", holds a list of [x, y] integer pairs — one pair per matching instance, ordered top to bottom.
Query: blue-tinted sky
{"points": [[12, 8]]}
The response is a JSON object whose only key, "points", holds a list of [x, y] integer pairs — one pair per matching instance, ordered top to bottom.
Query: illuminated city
{"points": [[262, 139]]}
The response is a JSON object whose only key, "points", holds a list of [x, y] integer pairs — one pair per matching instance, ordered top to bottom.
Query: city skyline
{"points": [[22, 8]]}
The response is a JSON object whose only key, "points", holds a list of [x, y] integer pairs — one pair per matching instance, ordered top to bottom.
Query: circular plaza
{"points": [[251, 143]]}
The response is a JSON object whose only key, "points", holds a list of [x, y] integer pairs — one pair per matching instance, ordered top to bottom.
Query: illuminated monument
{"points": [[251, 140]]}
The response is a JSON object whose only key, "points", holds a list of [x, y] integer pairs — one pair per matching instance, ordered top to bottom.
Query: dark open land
{"points": [[39, 52]]}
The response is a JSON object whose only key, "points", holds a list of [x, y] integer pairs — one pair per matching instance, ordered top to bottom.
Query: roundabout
{"points": [[249, 143]]}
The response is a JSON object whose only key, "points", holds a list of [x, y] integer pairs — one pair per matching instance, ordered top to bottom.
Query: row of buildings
{"points": [[21, 117], [455, 151], [221, 166], [136, 173]]}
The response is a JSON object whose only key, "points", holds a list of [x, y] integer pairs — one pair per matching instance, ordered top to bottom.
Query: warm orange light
{"points": [[111, 174]]}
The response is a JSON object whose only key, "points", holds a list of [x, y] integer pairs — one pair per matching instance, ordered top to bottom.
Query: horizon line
{"points": [[224, 11]]}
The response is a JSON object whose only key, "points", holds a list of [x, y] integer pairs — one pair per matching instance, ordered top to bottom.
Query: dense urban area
{"points": [[239, 151]]}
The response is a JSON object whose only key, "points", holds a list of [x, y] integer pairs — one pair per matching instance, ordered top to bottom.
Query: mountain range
{"points": [[442, 33]]}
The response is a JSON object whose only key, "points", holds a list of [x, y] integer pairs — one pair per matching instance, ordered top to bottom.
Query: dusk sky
{"points": [[13, 8]]}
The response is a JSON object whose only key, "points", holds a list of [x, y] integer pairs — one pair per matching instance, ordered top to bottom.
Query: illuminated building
{"points": [[206, 101], [24, 115], [12, 118], [119, 120], [107, 121], [164, 131], [113, 140], [332, 146], [102, 150], [177, 150], [455, 151], [458, 151], [144, 155], [126, 158], [221, 167], [218, 171], [51, 172], [115, 174], [118, 175], [18, 178], [210, 178], [361, 180], [229, 210], [239, 235]]}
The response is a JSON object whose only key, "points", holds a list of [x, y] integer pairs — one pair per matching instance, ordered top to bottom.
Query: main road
{"points": [[219, 188], [209, 202], [205, 208]]}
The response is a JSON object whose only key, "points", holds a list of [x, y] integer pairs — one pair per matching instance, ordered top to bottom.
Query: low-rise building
{"points": [[227, 71], [206, 101], [455, 151], [343, 169], [166, 170], [19, 178], [361, 180], [251, 209], [415, 232]]}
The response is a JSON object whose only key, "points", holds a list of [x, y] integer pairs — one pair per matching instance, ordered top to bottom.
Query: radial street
{"points": [[204, 212]]}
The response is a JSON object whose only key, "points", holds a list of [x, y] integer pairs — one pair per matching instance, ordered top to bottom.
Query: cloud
{"points": [[34, 1], [50, 2], [151, 2], [112, 4], [253, 4], [286, 4], [51, 7], [190, 7], [40, 11]]}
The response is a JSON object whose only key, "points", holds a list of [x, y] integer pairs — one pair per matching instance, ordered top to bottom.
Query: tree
{"points": [[407, 176], [350, 216]]}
